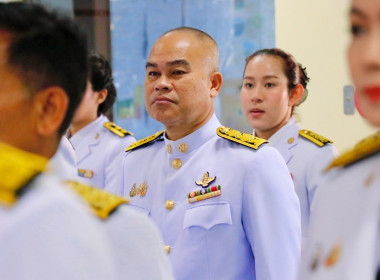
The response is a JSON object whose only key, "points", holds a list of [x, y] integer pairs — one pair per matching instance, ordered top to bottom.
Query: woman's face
{"points": [[364, 56], [265, 95]]}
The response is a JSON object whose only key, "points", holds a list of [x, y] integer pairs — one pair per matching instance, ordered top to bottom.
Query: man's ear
{"points": [[216, 79], [102, 95], [295, 95], [50, 109]]}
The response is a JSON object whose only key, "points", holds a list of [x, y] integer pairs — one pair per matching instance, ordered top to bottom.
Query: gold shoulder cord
{"points": [[118, 130], [314, 137], [242, 138], [145, 141]]}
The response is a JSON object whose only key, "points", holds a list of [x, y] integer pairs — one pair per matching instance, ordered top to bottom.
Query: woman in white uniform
{"points": [[274, 84], [98, 143], [344, 225]]}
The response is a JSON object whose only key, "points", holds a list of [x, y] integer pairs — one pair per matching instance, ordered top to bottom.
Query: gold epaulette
{"points": [[118, 130], [314, 137], [242, 138], [145, 141], [363, 149], [17, 168], [101, 202]]}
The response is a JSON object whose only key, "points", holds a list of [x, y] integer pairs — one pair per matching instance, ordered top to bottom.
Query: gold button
{"points": [[97, 135], [290, 140], [183, 147], [169, 149], [176, 163], [169, 204], [167, 249]]}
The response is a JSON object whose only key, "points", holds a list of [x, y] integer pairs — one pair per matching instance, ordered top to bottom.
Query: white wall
{"points": [[317, 34]]}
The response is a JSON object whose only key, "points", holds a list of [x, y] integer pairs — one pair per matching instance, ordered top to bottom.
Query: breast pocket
{"points": [[208, 215]]}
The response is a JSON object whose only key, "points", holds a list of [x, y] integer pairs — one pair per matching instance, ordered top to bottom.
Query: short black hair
{"points": [[46, 49], [100, 76]]}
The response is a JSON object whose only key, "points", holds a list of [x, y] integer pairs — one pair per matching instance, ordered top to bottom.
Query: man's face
{"points": [[178, 82], [16, 106]]}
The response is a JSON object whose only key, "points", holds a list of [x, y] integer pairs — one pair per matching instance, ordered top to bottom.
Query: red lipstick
{"points": [[373, 93]]}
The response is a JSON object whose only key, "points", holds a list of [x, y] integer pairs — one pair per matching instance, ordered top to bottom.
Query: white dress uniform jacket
{"points": [[98, 151], [306, 161], [344, 223], [250, 231], [48, 234], [137, 247]]}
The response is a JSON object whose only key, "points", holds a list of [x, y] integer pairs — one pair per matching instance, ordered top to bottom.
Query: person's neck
{"points": [[78, 125], [175, 132], [266, 134], [39, 145]]}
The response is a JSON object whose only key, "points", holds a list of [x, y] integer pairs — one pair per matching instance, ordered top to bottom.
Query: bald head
{"points": [[206, 43], [182, 80]]}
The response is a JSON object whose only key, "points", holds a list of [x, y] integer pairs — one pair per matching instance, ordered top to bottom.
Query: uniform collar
{"points": [[92, 128], [275, 139], [194, 140]]}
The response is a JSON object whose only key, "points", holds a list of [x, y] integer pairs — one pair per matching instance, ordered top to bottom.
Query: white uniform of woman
{"points": [[98, 147], [306, 159]]}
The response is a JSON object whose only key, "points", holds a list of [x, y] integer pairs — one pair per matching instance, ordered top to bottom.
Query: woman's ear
{"points": [[216, 83], [102, 95], [295, 95], [50, 110]]}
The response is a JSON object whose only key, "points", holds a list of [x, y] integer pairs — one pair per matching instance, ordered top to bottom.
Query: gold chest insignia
{"points": [[118, 130], [314, 137], [242, 138], [146, 141], [363, 149], [206, 180], [142, 189], [133, 190], [101, 202]]}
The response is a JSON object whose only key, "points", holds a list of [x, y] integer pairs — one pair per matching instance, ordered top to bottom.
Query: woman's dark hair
{"points": [[295, 73], [100, 76]]}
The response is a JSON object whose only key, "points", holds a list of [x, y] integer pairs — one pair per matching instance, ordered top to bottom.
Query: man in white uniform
{"points": [[224, 201], [46, 231]]}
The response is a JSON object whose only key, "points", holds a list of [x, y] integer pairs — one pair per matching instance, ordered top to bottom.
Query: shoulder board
{"points": [[118, 130], [314, 137], [242, 138], [146, 141], [362, 150], [17, 169], [101, 202]]}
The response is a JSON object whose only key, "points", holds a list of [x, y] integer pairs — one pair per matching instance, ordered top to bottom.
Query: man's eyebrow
{"points": [[183, 62], [150, 64]]}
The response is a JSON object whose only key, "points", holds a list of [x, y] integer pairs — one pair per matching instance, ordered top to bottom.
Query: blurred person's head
{"points": [[364, 57], [43, 69], [100, 93]]}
